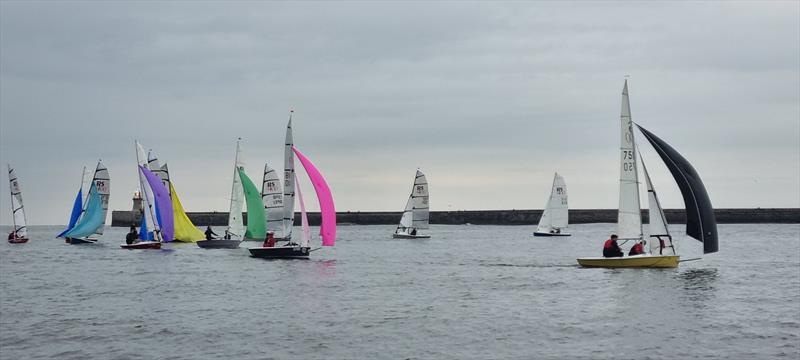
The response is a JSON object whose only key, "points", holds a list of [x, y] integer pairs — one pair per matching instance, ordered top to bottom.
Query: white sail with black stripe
{"points": [[17, 208], [416, 215]]}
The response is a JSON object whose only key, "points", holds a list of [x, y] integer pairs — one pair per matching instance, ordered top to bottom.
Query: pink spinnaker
{"points": [[328, 211]]}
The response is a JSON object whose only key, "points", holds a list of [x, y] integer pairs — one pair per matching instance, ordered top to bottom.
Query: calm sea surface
{"points": [[470, 292]]}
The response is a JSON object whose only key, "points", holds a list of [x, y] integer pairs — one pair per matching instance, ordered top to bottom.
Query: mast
{"points": [[289, 181], [629, 217]]}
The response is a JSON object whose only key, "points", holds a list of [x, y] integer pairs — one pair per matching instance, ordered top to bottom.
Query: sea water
{"points": [[468, 292]]}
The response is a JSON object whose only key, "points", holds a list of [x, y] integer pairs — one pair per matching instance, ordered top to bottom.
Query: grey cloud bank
{"points": [[489, 99]]}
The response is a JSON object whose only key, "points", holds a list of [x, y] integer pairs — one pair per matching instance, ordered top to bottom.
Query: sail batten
{"points": [[701, 222]]}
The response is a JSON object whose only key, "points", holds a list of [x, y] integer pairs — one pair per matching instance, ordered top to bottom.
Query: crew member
{"points": [[210, 234], [270, 240], [611, 248], [637, 249]]}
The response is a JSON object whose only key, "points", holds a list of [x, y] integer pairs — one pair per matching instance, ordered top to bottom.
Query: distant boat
{"points": [[327, 211], [157, 214], [416, 214], [92, 217], [555, 217], [701, 223], [183, 228], [20, 233]]}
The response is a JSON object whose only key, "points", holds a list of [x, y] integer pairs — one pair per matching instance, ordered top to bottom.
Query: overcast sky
{"points": [[489, 99]]}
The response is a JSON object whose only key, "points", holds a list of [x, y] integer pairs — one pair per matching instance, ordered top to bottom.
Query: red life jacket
{"points": [[609, 244], [637, 249]]}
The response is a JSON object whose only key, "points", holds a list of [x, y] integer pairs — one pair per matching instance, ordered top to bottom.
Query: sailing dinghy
{"points": [[154, 213], [416, 214], [92, 217], [555, 217], [700, 221], [327, 230], [20, 233]]}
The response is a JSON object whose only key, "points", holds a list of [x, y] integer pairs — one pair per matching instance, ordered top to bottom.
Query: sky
{"points": [[489, 99]]}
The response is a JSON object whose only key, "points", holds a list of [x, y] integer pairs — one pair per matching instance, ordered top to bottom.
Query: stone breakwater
{"points": [[496, 217]]}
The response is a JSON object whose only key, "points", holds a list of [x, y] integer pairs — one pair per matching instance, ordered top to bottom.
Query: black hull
{"points": [[550, 234], [18, 240], [75, 241], [219, 244], [282, 252]]}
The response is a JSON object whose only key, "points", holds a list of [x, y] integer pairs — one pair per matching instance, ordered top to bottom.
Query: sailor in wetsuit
{"points": [[210, 235]]}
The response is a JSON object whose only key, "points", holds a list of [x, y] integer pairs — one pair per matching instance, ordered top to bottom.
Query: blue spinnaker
{"points": [[76, 213], [92, 217]]}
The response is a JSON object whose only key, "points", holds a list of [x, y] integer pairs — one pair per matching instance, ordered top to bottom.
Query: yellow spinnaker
{"points": [[185, 231]]}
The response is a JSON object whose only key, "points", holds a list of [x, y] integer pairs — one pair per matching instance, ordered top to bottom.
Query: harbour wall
{"points": [[496, 217]]}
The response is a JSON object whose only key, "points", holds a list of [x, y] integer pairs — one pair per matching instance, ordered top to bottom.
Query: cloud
{"points": [[488, 98]]}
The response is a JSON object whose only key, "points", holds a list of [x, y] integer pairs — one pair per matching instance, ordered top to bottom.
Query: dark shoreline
{"points": [[500, 217]]}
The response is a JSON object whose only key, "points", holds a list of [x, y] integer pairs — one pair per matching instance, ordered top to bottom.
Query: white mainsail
{"points": [[289, 182], [102, 183], [272, 196], [420, 196], [148, 201], [17, 208], [556, 213], [629, 219], [235, 223]]}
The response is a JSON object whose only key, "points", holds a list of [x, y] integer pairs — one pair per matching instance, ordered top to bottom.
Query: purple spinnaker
{"points": [[163, 203], [328, 228]]}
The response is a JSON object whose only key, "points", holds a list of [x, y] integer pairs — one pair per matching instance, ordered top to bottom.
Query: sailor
{"points": [[414, 231], [210, 233], [132, 235], [227, 235], [11, 236], [270, 240], [661, 246], [611, 248], [637, 249]]}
